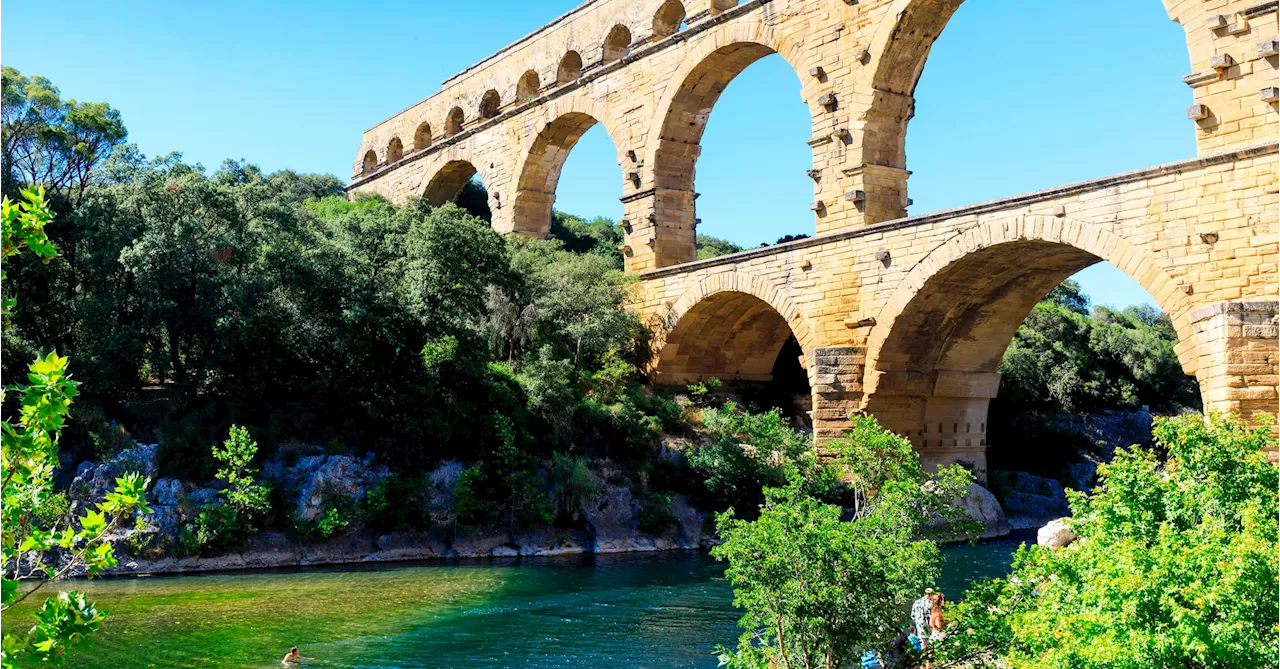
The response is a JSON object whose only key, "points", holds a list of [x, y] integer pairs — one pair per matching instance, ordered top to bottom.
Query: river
{"points": [[629, 610]]}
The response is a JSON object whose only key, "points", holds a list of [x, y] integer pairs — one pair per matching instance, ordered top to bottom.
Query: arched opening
{"points": [[718, 6], [667, 20], [617, 44], [570, 68], [527, 87], [490, 102], [764, 103], [453, 122], [1115, 124], [422, 137], [680, 144], [395, 151], [370, 162], [540, 173], [447, 183], [743, 341], [935, 369]]}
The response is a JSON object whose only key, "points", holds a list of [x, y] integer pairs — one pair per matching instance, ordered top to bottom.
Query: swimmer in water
{"points": [[292, 658]]}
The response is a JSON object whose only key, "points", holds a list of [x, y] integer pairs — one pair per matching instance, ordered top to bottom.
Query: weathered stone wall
{"points": [[909, 319]]}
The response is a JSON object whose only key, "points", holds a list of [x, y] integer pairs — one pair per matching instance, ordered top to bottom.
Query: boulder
{"points": [[334, 475], [94, 481], [167, 492], [1026, 496], [983, 506], [611, 514], [692, 524], [1056, 534], [553, 541], [489, 542], [408, 546]]}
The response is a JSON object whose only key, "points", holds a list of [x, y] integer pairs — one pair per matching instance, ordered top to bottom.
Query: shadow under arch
{"points": [[681, 119], [543, 159], [446, 183], [729, 328], [933, 357]]}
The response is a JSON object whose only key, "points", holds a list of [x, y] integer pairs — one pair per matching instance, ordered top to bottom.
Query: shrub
{"points": [[745, 452], [1176, 564], [818, 590]]}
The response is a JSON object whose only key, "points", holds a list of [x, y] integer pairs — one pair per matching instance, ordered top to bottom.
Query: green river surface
{"points": [[627, 610]]}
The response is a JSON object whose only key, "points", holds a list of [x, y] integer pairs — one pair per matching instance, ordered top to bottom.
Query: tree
{"points": [[50, 141], [710, 247], [1064, 358], [29, 455], [1176, 565], [819, 590]]}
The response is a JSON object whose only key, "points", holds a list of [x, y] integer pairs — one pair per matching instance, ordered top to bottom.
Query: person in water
{"points": [[292, 657]]}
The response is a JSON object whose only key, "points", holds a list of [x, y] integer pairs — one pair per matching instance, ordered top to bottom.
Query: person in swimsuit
{"points": [[292, 657]]}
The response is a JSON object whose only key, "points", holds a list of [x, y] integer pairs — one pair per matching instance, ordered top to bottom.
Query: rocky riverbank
{"points": [[309, 483]]}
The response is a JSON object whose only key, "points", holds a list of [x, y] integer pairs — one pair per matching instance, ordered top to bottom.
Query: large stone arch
{"points": [[897, 53], [680, 116], [543, 154], [444, 183], [729, 325], [932, 358]]}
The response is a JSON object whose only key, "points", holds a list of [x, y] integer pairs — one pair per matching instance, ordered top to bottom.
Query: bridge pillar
{"points": [[530, 216], [660, 228], [1233, 353], [835, 378], [943, 413]]}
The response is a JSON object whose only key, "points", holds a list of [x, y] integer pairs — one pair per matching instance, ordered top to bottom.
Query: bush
{"points": [[743, 453], [572, 484], [396, 504], [1176, 564], [818, 590]]}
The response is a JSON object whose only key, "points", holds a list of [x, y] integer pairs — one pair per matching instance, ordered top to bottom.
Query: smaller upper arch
{"points": [[718, 6], [667, 20], [617, 44], [570, 68], [528, 86], [490, 103], [453, 122], [422, 136], [395, 150], [370, 161], [447, 182]]}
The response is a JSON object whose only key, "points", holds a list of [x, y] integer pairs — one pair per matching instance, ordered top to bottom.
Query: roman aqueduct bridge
{"points": [[903, 317]]}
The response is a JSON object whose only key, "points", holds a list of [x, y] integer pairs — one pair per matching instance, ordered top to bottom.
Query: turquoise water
{"points": [[637, 610]]}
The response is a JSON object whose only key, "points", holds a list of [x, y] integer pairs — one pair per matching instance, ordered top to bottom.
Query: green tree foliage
{"points": [[53, 142], [599, 235], [710, 247], [1064, 358], [743, 453], [29, 454], [245, 500], [1175, 566], [818, 590]]}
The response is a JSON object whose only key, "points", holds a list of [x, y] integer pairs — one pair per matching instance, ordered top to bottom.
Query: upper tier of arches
{"points": [[650, 72]]}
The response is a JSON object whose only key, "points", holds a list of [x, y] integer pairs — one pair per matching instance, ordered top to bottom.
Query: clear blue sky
{"points": [[1016, 96]]}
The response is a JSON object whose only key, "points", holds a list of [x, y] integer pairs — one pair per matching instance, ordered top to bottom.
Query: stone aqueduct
{"points": [[903, 317]]}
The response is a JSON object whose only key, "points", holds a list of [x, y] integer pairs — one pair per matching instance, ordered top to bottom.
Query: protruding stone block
{"points": [[1269, 94], [1198, 112]]}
